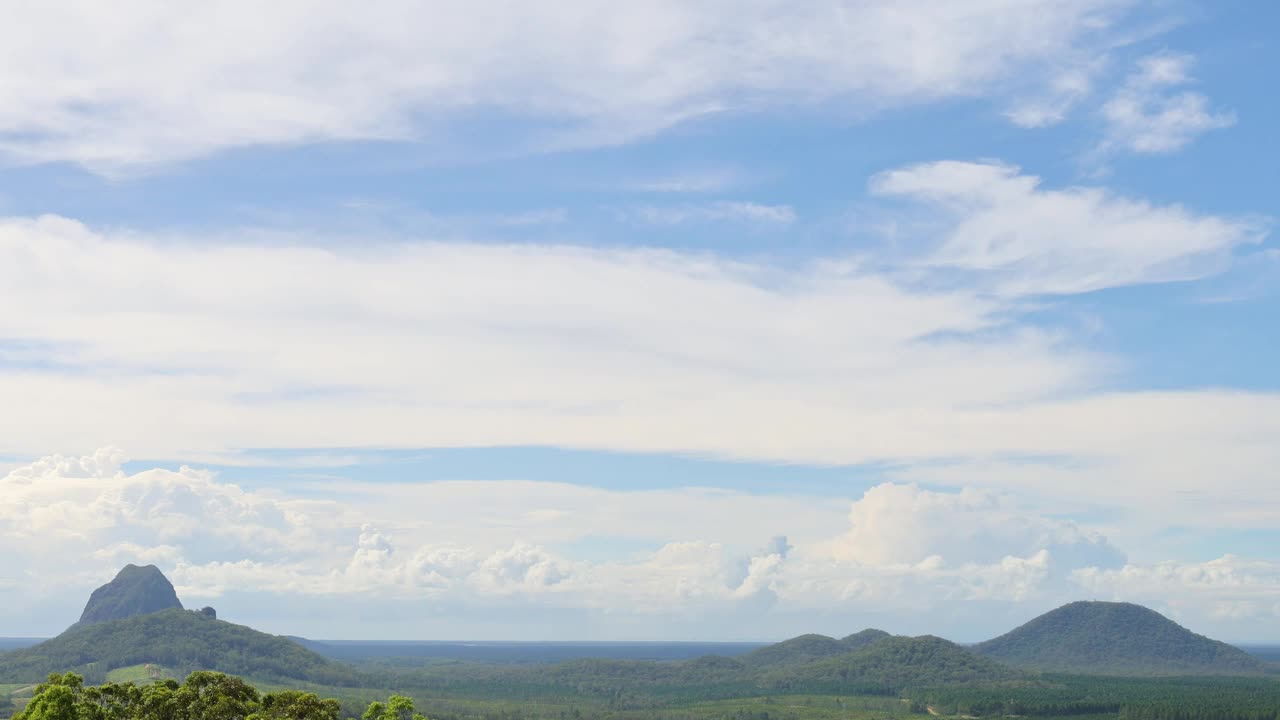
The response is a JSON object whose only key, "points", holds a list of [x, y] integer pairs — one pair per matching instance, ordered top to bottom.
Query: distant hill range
{"points": [[137, 618], [1108, 638], [878, 664], [887, 664]]}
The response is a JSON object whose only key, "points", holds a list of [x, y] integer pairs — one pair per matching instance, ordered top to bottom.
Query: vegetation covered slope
{"points": [[134, 591], [1106, 638], [178, 639], [862, 639], [809, 648], [797, 650], [891, 664], [885, 667]]}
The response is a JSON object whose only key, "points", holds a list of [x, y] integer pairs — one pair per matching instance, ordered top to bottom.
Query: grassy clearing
{"points": [[141, 674]]}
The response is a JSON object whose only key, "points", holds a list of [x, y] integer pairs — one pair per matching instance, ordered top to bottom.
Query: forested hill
{"points": [[134, 591], [1107, 638], [178, 639], [859, 640], [804, 648], [807, 648], [891, 664], [885, 668]]}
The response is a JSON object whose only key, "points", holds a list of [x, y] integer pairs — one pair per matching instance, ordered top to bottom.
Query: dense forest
{"points": [[1110, 638], [179, 639], [807, 677], [202, 696], [216, 696], [1183, 698]]}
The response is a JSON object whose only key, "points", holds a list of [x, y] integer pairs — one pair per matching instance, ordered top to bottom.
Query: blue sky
{"points": [[690, 321]]}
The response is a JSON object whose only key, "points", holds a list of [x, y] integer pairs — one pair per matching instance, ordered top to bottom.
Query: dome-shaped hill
{"points": [[134, 591], [1109, 638], [797, 650]]}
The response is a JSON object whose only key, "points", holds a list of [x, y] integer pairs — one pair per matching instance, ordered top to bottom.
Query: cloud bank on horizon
{"points": [[1002, 272]]}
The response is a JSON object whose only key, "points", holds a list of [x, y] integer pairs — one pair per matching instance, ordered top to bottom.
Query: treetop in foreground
{"points": [[202, 696]]}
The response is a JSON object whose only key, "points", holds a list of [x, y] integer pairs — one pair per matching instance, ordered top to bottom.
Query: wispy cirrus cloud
{"points": [[140, 84], [1062, 93], [739, 212], [1010, 234], [311, 344]]}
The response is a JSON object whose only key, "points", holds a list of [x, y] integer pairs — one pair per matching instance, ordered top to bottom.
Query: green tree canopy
{"points": [[203, 696], [397, 707]]}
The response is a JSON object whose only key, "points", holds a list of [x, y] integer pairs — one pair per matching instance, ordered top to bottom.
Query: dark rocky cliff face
{"points": [[134, 591]]}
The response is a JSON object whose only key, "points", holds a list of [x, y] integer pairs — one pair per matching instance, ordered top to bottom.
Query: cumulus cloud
{"points": [[141, 83], [1150, 114], [1002, 229], [103, 463], [146, 515], [897, 524], [215, 537], [973, 545], [896, 551], [1232, 592]]}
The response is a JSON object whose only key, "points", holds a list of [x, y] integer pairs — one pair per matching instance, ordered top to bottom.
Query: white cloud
{"points": [[139, 83], [1062, 93], [1150, 114], [746, 213], [1006, 232], [307, 343], [437, 344], [214, 345], [1144, 459], [147, 515], [906, 525], [215, 538], [126, 552], [779, 564], [1231, 592]]}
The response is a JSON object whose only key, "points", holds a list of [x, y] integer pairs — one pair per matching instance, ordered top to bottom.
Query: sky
{"points": [[696, 320]]}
